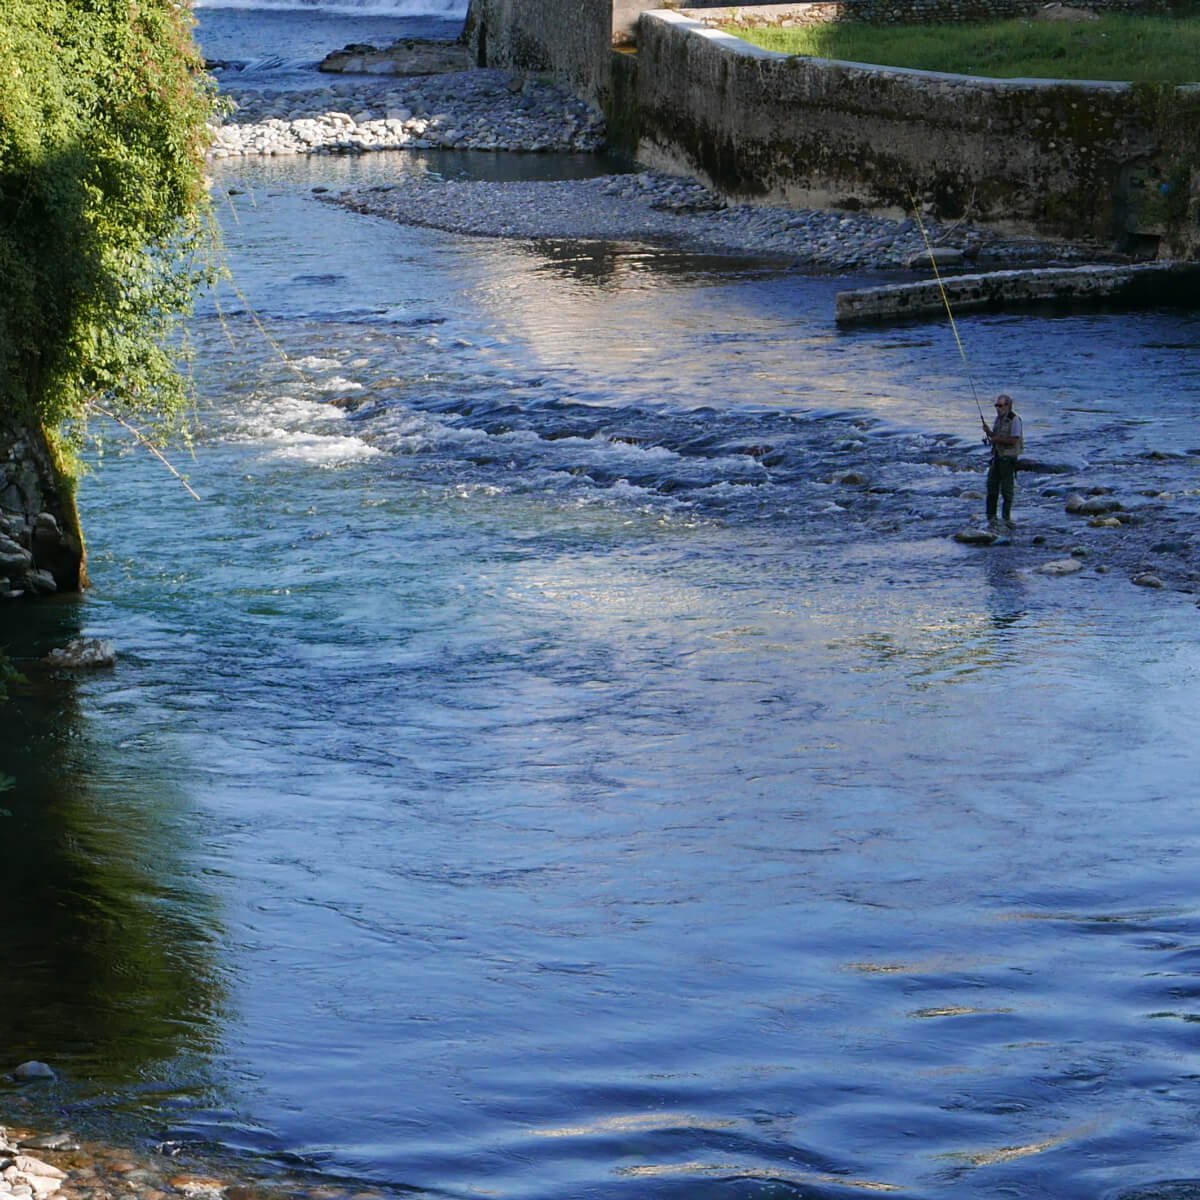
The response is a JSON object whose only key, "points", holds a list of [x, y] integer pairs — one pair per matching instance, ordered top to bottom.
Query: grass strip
{"points": [[1134, 49]]}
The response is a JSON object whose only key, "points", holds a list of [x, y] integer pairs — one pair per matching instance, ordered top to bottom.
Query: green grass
{"points": [[1120, 47]]}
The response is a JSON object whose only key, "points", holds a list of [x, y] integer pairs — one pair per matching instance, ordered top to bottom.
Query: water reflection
{"points": [[615, 265], [109, 966]]}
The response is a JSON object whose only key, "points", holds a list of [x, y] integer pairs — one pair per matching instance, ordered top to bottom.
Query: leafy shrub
{"points": [[105, 230]]}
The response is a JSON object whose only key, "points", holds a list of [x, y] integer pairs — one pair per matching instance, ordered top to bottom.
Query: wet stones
{"points": [[461, 110], [1092, 506], [974, 536], [40, 547], [22, 551], [14, 558], [1060, 566], [82, 654], [49, 1141], [96, 1171], [22, 1176]]}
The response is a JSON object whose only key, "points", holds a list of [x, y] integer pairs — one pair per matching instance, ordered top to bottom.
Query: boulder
{"points": [[415, 57], [1091, 506], [973, 536], [1060, 566], [82, 653], [27, 1072]]}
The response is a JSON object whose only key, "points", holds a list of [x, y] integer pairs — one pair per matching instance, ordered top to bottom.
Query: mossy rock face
{"points": [[38, 514]]}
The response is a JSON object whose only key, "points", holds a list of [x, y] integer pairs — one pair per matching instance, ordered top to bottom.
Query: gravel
{"points": [[492, 110]]}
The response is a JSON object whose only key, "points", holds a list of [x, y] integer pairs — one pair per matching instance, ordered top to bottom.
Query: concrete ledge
{"points": [[1147, 285]]}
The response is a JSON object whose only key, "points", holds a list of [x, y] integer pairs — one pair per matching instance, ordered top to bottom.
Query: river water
{"points": [[565, 755]]}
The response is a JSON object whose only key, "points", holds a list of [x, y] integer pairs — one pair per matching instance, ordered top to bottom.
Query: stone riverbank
{"points": [[485, 110], [497, 111], [662, 209], [39, 1161], [59, 1166]]}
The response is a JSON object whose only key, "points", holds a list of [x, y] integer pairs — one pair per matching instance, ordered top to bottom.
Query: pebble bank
{"points": [[484, 110], [497, 111]]}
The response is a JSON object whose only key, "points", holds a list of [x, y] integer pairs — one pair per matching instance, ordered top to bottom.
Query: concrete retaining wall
{"points": [[1040, 157], [1112, 163]]}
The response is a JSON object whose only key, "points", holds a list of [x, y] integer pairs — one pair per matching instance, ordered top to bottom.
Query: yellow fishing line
{"points": [[946, 301]]}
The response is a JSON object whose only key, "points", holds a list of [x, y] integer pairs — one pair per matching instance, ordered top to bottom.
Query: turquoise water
{"points": [[529, 771]]}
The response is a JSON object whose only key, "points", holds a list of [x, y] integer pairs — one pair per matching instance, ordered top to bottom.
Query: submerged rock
{"points": [[1091, 506], [973, 536], [1060, 566], [83, 653], [27, 1072], [50, 1141]]}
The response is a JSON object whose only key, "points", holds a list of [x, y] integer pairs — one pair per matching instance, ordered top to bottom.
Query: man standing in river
{"points": [[1005, 438]]}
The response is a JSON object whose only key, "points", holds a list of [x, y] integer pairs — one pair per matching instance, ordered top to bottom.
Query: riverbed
{"points": [[564, 753]]}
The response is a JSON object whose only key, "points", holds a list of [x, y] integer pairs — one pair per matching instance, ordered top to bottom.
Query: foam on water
{"points": [[291, 427], [316, 450]]}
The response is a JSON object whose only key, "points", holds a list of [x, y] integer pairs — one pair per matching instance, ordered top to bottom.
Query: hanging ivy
{"points": [[105, 230]]}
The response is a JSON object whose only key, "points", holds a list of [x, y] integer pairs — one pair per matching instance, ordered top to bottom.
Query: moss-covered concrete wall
{"points": [[1043, 157], [1113, 163]]}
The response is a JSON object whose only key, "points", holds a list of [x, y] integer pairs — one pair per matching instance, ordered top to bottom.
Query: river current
{"points": [[564, 755]]}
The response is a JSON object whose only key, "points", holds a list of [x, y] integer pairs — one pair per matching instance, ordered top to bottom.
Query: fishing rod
{"points": [[946, 301]]}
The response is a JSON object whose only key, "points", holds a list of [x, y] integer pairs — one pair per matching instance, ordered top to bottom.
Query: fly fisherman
{"points": [[1004, 437]]}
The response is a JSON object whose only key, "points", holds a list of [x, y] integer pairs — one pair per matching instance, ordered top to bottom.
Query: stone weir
{"points": [[1135, 286]]}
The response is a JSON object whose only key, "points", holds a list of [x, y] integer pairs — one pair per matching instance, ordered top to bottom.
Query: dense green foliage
{"points": [[1116, 47], [104, 229]]}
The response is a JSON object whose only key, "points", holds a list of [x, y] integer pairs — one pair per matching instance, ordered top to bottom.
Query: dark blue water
{"points": [[565, 755]]}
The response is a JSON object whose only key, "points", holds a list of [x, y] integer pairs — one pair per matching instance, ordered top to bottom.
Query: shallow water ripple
{"points": [[566, 755]]}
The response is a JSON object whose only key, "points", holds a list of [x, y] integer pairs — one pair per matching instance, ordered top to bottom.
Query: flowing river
{"points": [[564, 755]]}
